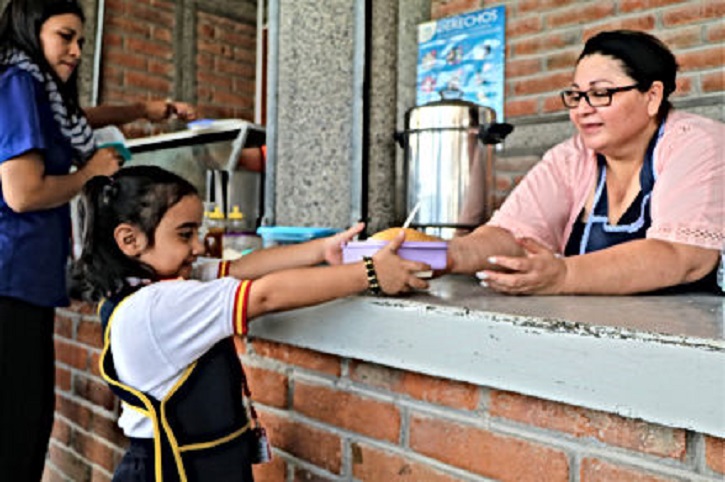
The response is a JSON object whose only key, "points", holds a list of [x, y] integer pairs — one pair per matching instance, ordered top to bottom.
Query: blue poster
{"points": [[463, 57]]}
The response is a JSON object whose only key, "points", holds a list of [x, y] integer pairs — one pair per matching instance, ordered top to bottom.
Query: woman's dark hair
{"points": [[20, 25], [644, 57], [138, 195]]}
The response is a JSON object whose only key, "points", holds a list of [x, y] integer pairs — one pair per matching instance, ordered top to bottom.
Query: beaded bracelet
{"points": [[373, 283]]}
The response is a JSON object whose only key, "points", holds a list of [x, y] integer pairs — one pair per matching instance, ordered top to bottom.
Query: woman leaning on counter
{"points": [[43, 132], [634, 202]]}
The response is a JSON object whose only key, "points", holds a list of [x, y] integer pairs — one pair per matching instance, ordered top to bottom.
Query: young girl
{"points": [[43, 132], [168, 349]]}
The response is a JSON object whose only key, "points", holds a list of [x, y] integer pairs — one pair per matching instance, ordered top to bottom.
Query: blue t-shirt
{"points": [[34, 246]]}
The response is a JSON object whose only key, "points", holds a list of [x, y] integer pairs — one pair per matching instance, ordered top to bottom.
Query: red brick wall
{"points": [[544, 37], [226, 53], [137, 59], [139, 63], [331, 418], [352, 419], [86, 444]]}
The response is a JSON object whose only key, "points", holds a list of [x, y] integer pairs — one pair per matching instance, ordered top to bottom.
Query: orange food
{"points": [[410, 235]]}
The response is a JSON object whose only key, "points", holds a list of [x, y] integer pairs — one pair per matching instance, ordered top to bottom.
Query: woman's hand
{"points": [[160, 110], [104, 162], [332, 246], [540, 271], [395, 274]]}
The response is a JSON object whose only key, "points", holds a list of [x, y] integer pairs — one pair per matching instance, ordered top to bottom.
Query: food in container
{"points": [[410, 235], [417, 246]]}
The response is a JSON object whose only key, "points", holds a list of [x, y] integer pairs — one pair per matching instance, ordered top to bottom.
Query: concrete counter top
{"points": [[693, 316], [658, 358]]}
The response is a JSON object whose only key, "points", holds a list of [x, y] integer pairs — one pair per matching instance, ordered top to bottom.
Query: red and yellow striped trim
{"points": [[223, 269], [239, 311]]}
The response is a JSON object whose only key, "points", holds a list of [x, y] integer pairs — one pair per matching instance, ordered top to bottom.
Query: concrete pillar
{"points": [[335, 77], [315, 112]]}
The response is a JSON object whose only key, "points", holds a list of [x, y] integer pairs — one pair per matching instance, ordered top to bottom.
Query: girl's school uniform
{"points": [[169, 355]]}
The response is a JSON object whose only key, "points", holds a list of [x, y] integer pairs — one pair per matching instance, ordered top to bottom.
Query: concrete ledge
{"points": [[596, 352]]}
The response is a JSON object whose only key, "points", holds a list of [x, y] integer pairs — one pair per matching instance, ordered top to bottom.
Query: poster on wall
{"points": [[463, 57]]}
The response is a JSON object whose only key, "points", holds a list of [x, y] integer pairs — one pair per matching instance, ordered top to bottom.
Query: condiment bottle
{"points": [[235, 222], [215, 228], [238, 239]]}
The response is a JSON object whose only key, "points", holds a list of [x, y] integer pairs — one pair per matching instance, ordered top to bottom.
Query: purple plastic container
{"points": [[433, 252]]}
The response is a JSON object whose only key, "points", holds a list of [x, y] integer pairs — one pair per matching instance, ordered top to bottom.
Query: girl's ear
{"points": [[130, 239]]}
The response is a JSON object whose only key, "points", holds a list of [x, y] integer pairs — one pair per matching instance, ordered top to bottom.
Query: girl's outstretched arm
{"points": [[264, 261], [297, 288]]}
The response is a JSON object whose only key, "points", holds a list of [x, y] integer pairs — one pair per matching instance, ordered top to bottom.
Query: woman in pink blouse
{"points": [[634, 202]]}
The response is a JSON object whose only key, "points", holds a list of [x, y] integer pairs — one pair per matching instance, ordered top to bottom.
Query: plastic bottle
{"points": [[236, 223], [215, 227], [238, 239]]}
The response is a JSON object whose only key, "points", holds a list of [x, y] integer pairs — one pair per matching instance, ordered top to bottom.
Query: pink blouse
{"points": [[688, 199]]}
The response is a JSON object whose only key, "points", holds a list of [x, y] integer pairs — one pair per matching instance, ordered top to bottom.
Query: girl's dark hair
{"points": [[20, 25], [644, 57], [138, 195]]}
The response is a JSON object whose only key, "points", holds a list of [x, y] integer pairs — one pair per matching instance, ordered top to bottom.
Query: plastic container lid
{"points": [[215, 214], [294, 233]]}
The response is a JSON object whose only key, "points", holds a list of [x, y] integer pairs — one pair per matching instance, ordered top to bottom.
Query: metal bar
{"points": [[98, 52], [358, 159], [270, 177]]}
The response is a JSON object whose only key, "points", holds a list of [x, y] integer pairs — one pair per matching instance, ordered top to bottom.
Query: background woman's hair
{"points": [[20, 25], [645, 58], [138, 195]]}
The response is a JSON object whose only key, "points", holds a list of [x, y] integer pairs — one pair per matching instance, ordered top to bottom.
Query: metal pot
{"points": [[449, 164]]}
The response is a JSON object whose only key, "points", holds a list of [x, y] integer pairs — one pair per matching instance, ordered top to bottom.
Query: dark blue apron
{"points": [[597, 233], [201, 429]]}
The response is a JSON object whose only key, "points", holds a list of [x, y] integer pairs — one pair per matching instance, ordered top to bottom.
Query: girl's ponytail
{"points": [[88, 208], [104, 266]]}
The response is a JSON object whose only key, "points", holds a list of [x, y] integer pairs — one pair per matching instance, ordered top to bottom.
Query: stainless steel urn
{"points": [[449, 164]]}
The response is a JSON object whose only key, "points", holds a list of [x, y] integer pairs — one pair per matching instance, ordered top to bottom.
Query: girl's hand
{"points": [[160, 110], [104, 162], [332, 247], [541, 271], [395, 274]]}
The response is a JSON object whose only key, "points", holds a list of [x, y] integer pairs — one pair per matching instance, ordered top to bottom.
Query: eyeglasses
{"points": [[599, 97]]}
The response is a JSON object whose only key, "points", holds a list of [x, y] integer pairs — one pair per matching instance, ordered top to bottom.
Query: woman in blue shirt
{"points": [[43, 132]]}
